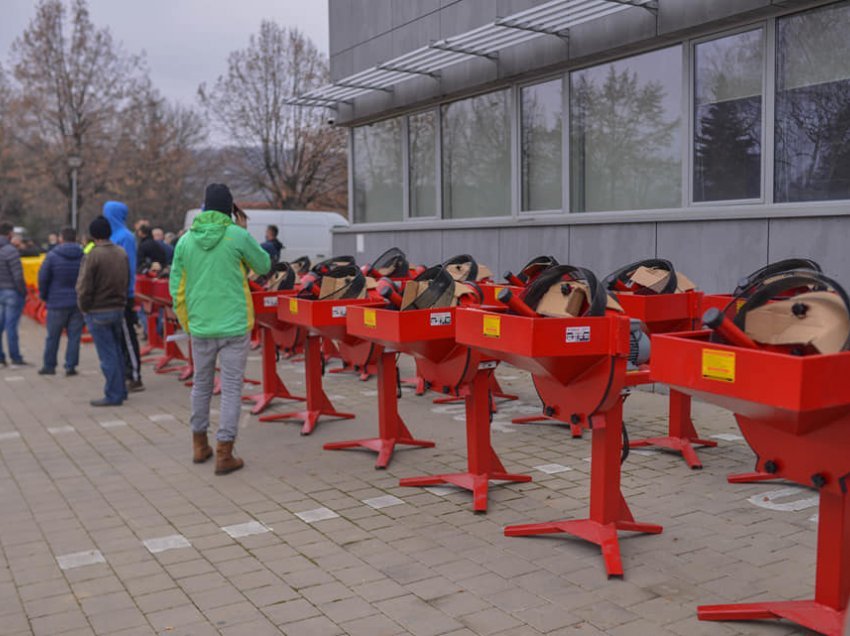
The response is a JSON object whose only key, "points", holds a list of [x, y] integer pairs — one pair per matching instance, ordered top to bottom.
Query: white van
{"points": [[303, 233]]}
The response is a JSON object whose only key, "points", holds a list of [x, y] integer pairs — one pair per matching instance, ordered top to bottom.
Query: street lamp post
{"points": [[74, 163]]}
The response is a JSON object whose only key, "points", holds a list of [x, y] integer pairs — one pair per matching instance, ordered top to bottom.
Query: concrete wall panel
{"points": [[410, 10], [685, 14], [825, 240], [482, 244], [517, 246], [604, 248], [714, 254]]}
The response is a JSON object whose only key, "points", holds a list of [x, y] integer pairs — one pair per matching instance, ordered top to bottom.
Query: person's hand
{"points": [[239, 217]]}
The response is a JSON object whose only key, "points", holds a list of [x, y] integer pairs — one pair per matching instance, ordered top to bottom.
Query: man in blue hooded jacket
{"points": [[116, 213], [57, 280]]}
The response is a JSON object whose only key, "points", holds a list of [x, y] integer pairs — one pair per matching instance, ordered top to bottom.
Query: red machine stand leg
{"points": [[154, 339], [172, 352], [417, 383], [272, 386], [495, 390], [318, 403], [392, 429], [575, 429], [681, 435], [483, 464], [750, 478], [609, 512], [827, 612]]}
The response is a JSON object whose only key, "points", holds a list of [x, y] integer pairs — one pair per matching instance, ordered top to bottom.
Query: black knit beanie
{"points": [[217, 197], [100, 229]]}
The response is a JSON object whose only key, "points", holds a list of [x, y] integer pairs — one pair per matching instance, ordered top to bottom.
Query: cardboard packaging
{"points": [[655, 279]]}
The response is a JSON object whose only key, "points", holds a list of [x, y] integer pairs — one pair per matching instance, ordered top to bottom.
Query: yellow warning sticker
{"points": [[739, 304], [293, 306], [369, 318], [492, 326], [718, 365]]}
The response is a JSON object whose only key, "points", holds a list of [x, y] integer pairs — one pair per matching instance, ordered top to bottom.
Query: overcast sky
{"points": [[186, 41]]}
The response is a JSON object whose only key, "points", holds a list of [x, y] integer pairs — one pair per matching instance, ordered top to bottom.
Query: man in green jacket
{"points": [[212, 300]]}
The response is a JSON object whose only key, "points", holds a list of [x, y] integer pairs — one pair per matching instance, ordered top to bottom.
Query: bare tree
{"points": [[75, 81], [287, 152]]}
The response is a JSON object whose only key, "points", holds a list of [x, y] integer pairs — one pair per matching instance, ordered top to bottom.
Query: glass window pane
{"points": [[813, 106], [541, 109], [727, 121], [625, 133], [422, 138], [477, 157], [377, 172]]}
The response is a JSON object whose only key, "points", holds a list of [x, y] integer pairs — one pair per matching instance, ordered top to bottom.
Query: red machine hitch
{"points": [[265, 316], [319, 319], [429, 336], [579, 365], [794, 411]]}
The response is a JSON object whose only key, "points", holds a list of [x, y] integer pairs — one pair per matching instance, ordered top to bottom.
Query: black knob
{"points": [[566, 288], [504, 296], [800, 309], [712, 318], [446, 390], [548, 411], [575, 418], [770, 467], [818, 480]]}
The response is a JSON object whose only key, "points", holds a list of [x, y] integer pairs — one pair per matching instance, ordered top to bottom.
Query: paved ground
{"points": [[79, 484]]}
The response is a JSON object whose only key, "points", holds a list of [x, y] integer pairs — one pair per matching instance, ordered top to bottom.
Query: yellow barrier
{"points": [[31, 265]]}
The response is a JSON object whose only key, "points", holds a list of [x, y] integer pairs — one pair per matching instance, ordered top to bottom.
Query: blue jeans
{"points": [[11, 306], [58, 320], [106, 329]]}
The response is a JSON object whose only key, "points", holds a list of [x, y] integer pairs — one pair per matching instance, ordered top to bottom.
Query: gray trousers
{"points": [[232, 354]]}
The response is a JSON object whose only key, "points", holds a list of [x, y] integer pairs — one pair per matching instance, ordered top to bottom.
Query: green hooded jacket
{"points": [[208, 281]]}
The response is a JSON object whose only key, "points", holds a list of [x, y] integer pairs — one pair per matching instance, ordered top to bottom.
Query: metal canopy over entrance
{"points": [[554, 18]]}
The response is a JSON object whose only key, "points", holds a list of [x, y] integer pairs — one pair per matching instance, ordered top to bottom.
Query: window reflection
{"points": [[813, 106], [727, 121], [625, 123], [422, 137], [540, 145], [476, 157], [378, 172]]}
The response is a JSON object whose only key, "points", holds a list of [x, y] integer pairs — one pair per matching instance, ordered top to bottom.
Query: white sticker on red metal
{"points": [[270, 301], [339, 311], [441, 318], [578, 334]]}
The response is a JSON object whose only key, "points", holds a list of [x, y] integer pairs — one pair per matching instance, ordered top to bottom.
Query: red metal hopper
{"points": [[795, 413]]}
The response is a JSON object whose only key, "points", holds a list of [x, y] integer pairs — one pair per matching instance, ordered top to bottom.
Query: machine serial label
{"points": [[271, 301], [293, 306], [339, 311], [369, 318], [441, 318], [492, 326], [578, 334], [718, 365]]}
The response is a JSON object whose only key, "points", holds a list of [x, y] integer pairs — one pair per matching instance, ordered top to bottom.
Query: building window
{"points": [[728, 75], [813, 106], [541, 110], [625, 134], [422, 144], [477, 157], [378, 173]]}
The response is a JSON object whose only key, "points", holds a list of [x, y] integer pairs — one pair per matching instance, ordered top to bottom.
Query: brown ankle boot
{"points": [[202, 450], [225, 462]]}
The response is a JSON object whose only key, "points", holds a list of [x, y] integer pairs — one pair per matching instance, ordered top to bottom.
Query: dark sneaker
{"points": [[3, 364], [20, 364], [46, 371], [70, 373], [135, 386], [104, 402]]}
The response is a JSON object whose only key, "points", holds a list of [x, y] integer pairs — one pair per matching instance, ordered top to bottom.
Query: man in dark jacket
{"points": [[272, 245], [149, 250], [57, 279], [13, 292], [102, 297]]}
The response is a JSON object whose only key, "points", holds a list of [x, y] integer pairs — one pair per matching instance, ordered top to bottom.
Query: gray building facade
{"points": [[714, 133]]}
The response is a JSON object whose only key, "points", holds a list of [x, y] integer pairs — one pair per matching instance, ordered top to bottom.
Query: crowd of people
{"points": [[92, 283]]}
